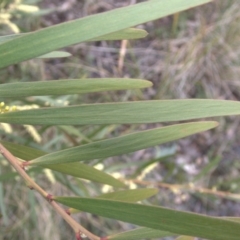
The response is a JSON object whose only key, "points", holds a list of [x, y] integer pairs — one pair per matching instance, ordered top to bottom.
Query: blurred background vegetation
{"points": [[192, 54]]}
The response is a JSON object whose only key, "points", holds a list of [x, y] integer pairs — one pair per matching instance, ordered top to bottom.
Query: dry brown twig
{"points": [[20, 168], [189, 188]]}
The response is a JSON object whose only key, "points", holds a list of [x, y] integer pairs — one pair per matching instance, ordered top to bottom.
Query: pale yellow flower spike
{"points": [[7, 108], [14, 108], [4, 109]]}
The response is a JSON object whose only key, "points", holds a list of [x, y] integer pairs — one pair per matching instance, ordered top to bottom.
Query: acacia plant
{"points": [[155, 221]]}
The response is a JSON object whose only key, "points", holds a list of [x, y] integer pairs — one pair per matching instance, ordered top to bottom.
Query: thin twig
{"points": [[20, 168], [189, 187]]}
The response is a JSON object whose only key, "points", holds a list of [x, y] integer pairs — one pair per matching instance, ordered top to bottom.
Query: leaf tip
{"points": [[145, 33], [214, 124]]}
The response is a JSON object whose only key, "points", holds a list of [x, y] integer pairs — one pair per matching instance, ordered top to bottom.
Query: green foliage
{"points": [[112, 25], [86, 29], [69, 87], [124, 113], [124, 144], [78, 170], [158, 218], [141, 233]]}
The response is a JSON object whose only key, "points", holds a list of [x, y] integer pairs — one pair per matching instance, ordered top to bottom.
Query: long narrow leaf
{"points": [[129, 33], [65, 34], [56, 54], [60, 87], [128, 112], [124, 144], [21, 151], [74, 169], [86, 172], [133, 195], [236, 219], [178, 222], [140, 233], [185, 238]]}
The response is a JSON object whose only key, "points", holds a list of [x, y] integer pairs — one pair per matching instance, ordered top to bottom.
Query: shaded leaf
{"points": [[46, 40], [60, 87], [127, 112], [73, 131], [124, 144], [21, 151], [213, 163], [143, 166], [74, 169], [86, 172], [11, 175], [7, 176], [133, 195], [3, 208], [178, 222], [140, 233]]}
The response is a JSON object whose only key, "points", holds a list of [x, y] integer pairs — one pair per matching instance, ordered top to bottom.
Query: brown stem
{"points": [[19, 167], [189, 187]]}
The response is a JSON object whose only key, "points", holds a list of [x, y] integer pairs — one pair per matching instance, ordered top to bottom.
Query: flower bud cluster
{"points": [[5, 109]]}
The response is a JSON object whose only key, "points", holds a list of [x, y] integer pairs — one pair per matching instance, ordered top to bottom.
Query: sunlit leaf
{"points": [[129, 33], [52, 38], [53, 54], [56, 54], [60, 87], [126, 112], [124, 144], [236, 219], [177, 222], [185, 238]]}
